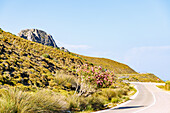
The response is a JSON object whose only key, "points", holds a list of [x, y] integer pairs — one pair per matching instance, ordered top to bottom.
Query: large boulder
{"points": [[38, 36]]}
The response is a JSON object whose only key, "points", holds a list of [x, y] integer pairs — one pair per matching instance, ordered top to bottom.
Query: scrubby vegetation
{"points": [[116, 67], [122, 70], [140, 77], [39, 78], [165, 87], [13, 100]]}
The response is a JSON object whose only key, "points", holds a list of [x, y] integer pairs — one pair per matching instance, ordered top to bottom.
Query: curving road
{"points": [[149, 99]]}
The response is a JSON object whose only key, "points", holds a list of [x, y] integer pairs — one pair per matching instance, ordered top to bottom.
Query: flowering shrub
{"points": [[95, 75]]}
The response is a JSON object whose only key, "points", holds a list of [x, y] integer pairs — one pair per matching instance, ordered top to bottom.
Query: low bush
{"points": [[46, 55], [97, 76], [65, 80], [167, 85], [109, 93], [13, 100], [115, 100], [73, 102], [95, 103]]}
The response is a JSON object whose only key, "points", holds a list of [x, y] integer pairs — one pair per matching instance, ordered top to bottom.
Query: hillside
{"points": [[30, 63], [116, 67], [122, 71], [32, 76], [140, 77]]}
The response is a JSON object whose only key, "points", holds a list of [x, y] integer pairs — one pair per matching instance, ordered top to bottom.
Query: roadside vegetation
{"points": [[139, 77], [165, 87]]}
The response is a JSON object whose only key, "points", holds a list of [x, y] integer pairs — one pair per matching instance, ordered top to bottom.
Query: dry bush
{"points": [[109, 93], [13, 100]]}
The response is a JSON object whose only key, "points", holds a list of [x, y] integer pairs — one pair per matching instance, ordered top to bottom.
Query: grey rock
{"points": [[38, 36], [64, 49]]}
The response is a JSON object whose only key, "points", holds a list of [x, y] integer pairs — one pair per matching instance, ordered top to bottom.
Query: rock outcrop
{"points": [[38, 36], [64, 49]]}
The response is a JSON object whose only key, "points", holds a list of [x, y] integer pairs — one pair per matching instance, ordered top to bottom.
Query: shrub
{"points": [[1, 31], [46, 55], [95, 75], [65, 80], [167, 85], [109, 93], [13, 100], [115, 100], [73, 102], [95, 103]]}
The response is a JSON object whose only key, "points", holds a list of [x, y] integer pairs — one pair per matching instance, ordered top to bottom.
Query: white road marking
{"points": [[149, 105]]}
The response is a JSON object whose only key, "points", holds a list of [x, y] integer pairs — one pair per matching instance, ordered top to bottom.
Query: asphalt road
{"points": [[149, 99]]}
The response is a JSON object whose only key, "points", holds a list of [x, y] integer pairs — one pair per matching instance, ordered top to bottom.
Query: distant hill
{"points": [[116, 67], [139, 77]]}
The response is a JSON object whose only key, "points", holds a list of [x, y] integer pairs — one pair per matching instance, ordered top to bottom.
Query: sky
{"points": [[133, 32]]}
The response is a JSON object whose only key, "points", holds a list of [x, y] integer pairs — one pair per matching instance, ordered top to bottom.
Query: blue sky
{"points": [[134, 32]]}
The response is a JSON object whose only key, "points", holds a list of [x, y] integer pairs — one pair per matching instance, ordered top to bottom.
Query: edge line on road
{"points": [[149, 105]]}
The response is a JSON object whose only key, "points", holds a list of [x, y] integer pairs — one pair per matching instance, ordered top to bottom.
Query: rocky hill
{"points": [[38, 36], [42, 37], [30, 63]]}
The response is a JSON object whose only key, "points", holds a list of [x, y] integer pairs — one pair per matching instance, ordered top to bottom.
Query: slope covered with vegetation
{"points": [[30, 63], [116, 67], [122, 71], [139, 77], [38, 78]]}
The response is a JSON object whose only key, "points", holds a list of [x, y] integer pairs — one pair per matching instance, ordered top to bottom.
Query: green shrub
{"points": [[1, 31], [46, 55], [167, 85], [126, 98], [115, 100]]}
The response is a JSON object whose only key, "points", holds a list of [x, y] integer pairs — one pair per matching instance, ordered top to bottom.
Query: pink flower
{"points": [[78, 70]]}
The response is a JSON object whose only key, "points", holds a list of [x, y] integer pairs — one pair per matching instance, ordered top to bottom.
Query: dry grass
{"points": [[13, 100]]}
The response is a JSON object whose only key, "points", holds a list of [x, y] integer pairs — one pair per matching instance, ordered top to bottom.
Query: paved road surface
{"points": [[150, 99]]}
